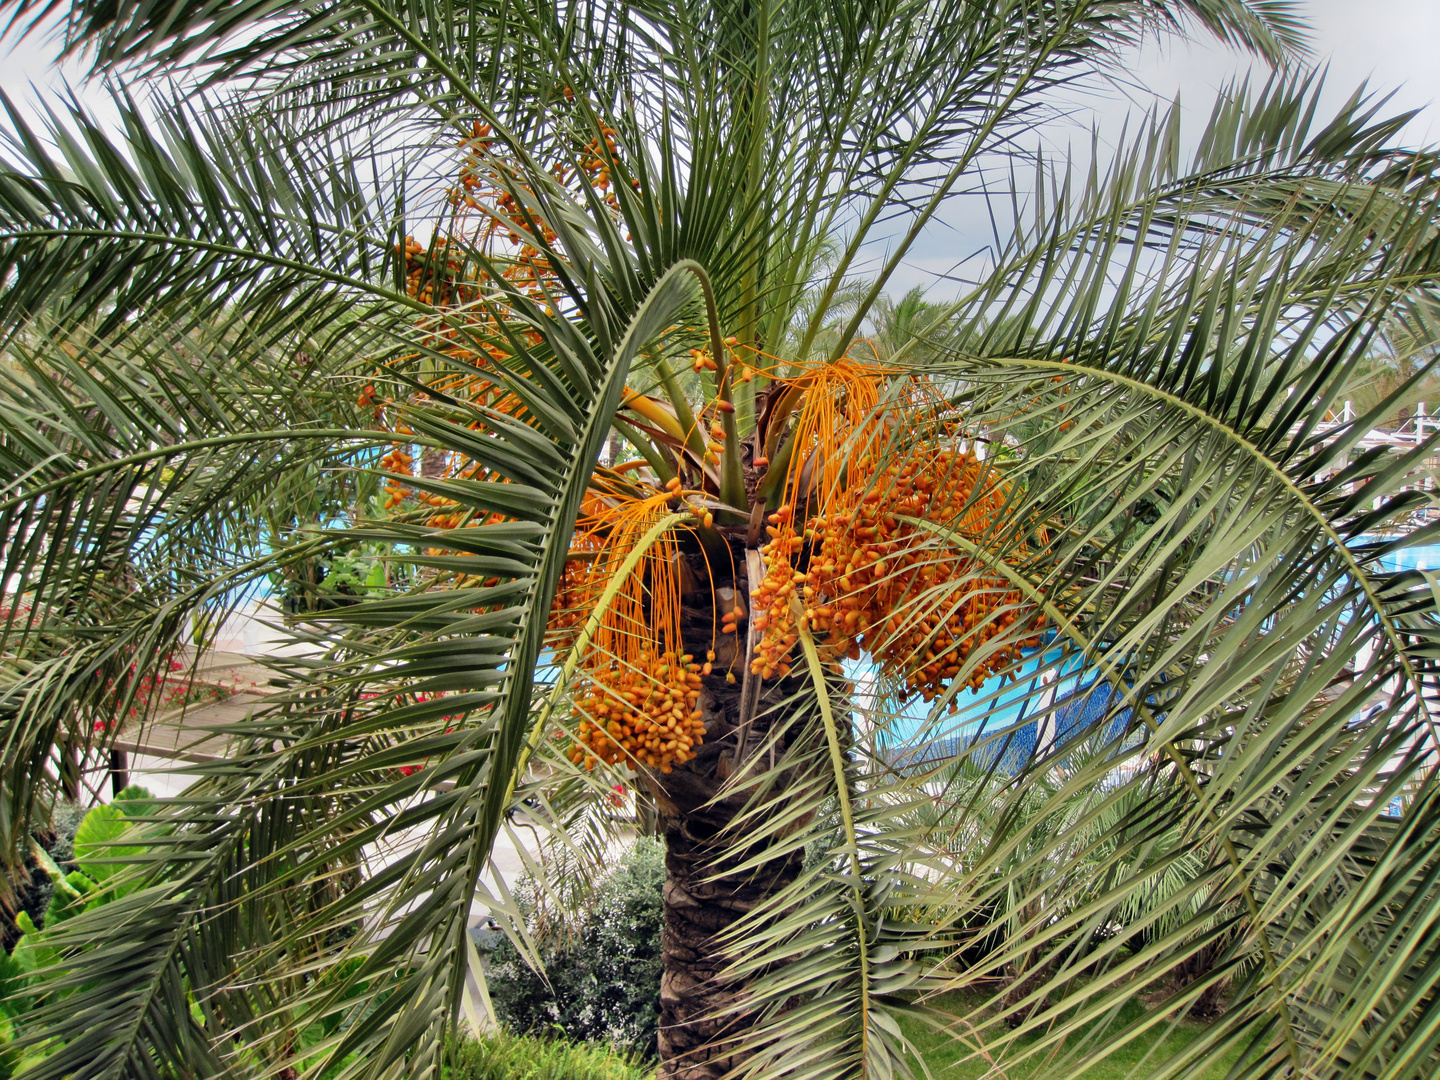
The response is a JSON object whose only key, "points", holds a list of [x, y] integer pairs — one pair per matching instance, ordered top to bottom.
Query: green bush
{"points": [[65, 818], [77, 880], [603, 969], [526, 1057]]}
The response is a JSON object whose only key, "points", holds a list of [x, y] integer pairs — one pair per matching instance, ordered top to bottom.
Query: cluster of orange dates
{"points": [[596, 165], [435, 276], [445, 276], [398, 461], [878, 582], [567, 608], [771, 610], [636, 693], [644, 711]]}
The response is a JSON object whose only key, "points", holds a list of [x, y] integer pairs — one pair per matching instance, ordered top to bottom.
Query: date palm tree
{"points": [[1102, 485]]}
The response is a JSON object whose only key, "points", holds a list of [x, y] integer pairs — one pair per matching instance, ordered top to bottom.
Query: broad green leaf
{"points": [[97, 848]]}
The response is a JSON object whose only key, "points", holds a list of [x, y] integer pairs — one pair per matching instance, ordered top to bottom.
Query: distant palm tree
{"points": [[486, 235], [904, 323]]}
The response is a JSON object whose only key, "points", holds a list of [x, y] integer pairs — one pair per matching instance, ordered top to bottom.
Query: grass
{"points": [[943, 1053], [516, 1057], [522, 1057]]}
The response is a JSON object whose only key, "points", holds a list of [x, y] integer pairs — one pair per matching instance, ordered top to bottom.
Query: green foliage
{"points": [[1154, 347], [365, 571], [345, 575], [135, 801], [65, 819], [96, 847], [97, 856], [43, 867], [31, 954], [602, 967], [27, 972], [525, 1057]]}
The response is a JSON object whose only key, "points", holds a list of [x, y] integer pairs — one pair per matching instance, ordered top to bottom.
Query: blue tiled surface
{"points": [[1420, 557], [1083, 701], [1083, 705]]}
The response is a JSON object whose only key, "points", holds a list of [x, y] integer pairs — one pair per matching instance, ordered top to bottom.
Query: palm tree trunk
{"points": [[434, 464], [702, 899]]}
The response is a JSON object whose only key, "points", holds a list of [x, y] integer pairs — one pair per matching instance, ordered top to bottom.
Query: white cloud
{"points": [[1392, 44], [31, 73]]}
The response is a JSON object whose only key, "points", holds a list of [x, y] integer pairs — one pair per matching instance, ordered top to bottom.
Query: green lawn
{"points": [[944, 1055], [510, 1057], [519, 1057]]}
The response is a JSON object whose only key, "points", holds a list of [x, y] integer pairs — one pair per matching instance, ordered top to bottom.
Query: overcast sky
{"points": [[1392, 44], [1395, 44]]}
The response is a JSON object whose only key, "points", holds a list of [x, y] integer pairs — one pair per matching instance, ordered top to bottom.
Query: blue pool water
{"points": [[1420, 557], [996, 714]]}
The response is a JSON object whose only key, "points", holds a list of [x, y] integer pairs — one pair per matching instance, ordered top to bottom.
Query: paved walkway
{"points": [[187, 733]]}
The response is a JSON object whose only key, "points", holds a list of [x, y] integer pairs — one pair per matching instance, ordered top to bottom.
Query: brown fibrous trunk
{"points": [[702, 1013]]}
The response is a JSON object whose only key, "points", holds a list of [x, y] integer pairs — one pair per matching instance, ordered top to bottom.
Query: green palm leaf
{"points": [[1208, 560]]}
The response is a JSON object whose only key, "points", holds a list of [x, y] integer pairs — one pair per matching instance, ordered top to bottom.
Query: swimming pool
{"points": [[1419, 557], [1065, 697]]}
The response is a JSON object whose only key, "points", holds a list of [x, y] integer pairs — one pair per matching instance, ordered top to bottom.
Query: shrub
{"points": [[65, 818], [74, 865], [33, 889], [603, 969], [523, 1057]]}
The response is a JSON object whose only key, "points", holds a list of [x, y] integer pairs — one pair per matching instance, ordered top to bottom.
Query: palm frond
{"points": [[1149, 367], [128, 475], [1210, 577]]}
